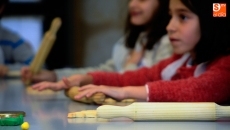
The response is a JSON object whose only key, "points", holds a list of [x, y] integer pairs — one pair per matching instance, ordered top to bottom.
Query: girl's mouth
{"points": [[135, 13], [173, 39]]}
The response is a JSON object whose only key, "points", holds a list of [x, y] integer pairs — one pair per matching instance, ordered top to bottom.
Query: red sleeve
{"points": [[132, 78], [212, 86]]}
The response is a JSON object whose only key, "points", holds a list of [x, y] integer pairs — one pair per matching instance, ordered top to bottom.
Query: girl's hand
{"points": [[134, 58], [3, 70], [26, 74], [43, 75], [77, 80], [65, 83], [49, 85], [88, 90], [119, 93]]}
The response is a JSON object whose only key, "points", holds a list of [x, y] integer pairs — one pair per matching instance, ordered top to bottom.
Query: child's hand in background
{"points": [[3, 70]]}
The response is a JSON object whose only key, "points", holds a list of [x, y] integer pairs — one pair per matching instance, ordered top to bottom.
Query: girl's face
{"points": [[141, 11], [183, 28]]}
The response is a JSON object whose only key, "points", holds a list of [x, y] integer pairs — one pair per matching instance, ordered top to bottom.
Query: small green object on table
{"points": [[11, 120]]}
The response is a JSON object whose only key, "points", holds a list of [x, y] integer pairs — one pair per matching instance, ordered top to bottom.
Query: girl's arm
{"points": [[108, 66], [131, 78], [75, 80], [211, 86], [119, 93]]}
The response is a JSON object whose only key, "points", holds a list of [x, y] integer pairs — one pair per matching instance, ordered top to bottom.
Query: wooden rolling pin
{"points": [[45, 47], [203, 111]]}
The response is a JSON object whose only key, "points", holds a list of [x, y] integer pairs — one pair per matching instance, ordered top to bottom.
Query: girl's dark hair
{"points": [[3, 3], [156, 27], [215, 31]]}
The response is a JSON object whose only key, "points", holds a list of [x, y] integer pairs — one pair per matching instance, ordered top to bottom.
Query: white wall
{"points": [[99, 23]]}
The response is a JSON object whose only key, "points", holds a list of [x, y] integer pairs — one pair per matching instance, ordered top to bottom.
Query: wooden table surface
{"points": [[48, 111]]}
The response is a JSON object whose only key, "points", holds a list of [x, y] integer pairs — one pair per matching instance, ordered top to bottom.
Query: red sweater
{"points": [[211, 86]]}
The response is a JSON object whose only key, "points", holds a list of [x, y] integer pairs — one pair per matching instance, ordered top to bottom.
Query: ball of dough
{"points": [[110, 101]]}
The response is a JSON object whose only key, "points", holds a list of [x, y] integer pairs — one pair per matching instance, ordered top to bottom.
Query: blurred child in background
{"points": [[144, 43], [15, 52]]}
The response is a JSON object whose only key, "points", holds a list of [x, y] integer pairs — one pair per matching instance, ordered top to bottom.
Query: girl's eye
{"points": [[143, 0], [183, 17]]}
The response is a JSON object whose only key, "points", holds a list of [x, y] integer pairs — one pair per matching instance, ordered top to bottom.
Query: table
{"points": [[48, 111]]}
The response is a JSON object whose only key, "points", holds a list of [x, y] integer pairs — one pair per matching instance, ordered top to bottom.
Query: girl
{"points": [[143, 44], [199, 71]]}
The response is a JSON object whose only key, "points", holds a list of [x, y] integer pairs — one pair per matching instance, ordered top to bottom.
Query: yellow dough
{"points": [[31, 91], [73, 91], [96, 98], [128, 100], [109, 101], [90, 113], [83, 114], [76, 115], [86, 116], [87, 120]]}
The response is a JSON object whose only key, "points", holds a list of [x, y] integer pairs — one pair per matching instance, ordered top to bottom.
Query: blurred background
{"points": [[89, 28]]}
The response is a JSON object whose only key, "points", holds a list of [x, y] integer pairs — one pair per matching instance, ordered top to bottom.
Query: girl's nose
{"points": [[132, 3], [171, 27]]}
